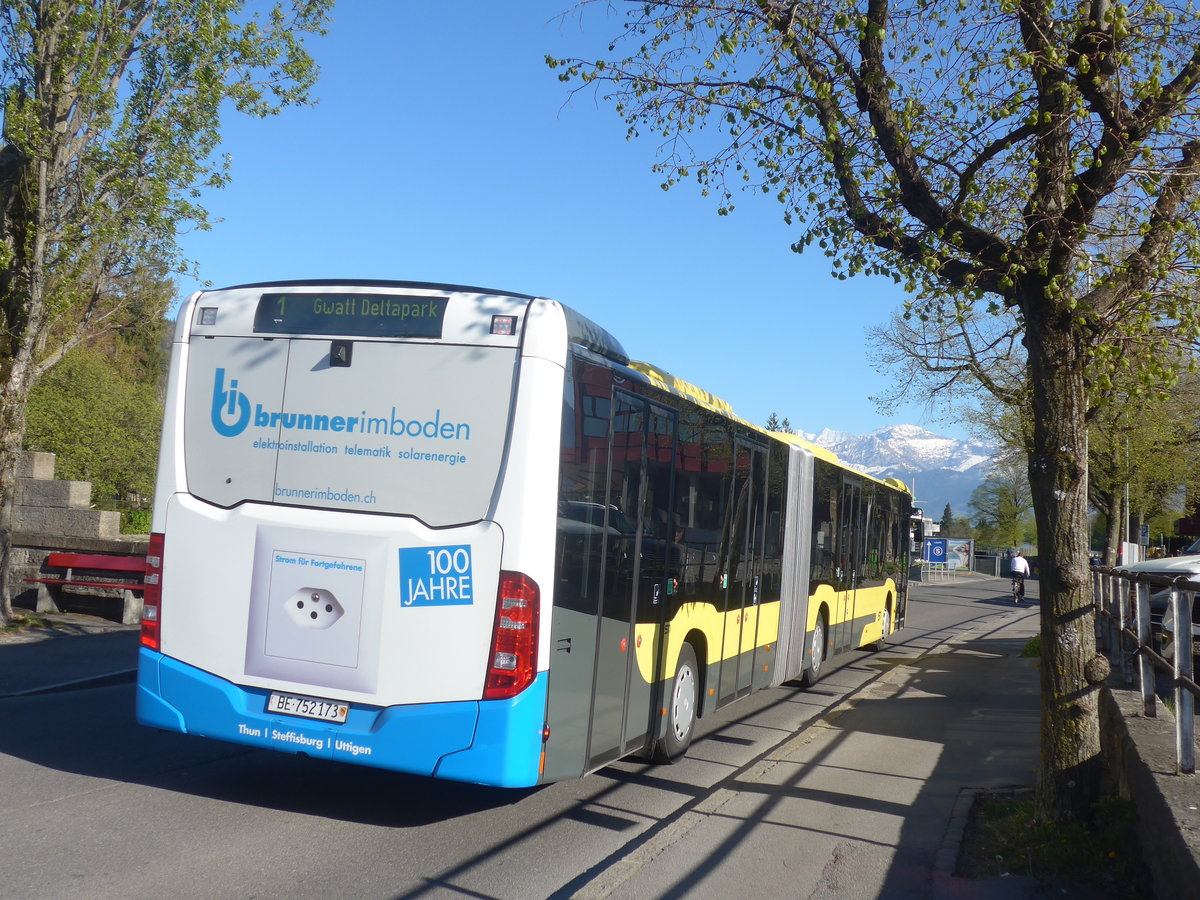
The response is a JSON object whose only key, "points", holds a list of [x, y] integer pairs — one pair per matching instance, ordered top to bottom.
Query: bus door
{"points": [[899, 540], [850, 541], [661, 559], [744, 571], [634, 587]]}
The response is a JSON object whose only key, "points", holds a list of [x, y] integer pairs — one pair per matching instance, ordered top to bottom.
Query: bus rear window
{"points": [[365, 315], [408, 429]]}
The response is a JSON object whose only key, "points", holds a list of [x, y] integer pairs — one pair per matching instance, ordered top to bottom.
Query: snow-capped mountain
{"points": [[940, 469]]}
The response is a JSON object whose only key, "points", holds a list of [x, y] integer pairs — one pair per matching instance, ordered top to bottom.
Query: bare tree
{"points": [[1143, 424]]}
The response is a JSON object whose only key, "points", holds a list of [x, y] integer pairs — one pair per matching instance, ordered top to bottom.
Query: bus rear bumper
{"points": [[493, 742]]}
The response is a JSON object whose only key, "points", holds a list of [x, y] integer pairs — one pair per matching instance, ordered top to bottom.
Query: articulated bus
{"points": [[457, 532]]}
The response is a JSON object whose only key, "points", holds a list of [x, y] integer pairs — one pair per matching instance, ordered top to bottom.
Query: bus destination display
{"points": [[367, 315]]}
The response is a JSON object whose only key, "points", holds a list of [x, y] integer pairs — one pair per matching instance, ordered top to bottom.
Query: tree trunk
{"points": [[16, 381], [12, 434], [1112, 534], [1069, 781]]}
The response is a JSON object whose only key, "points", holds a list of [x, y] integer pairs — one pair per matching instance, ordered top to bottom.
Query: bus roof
{"points": [[374, 282], [673, 385]]}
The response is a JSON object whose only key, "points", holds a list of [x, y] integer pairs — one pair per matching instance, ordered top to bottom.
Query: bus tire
{"points": [[887, 627], [818, 644], [682, 706]]}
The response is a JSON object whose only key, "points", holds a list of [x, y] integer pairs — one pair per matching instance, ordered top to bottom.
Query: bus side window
{"points": [[583, 462]]}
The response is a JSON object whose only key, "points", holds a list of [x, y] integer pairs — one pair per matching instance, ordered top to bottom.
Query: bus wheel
{"points": [[887, 628], [813, 673], [681, 708]]}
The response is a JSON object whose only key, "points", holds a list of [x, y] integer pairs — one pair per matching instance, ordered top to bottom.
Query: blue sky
{"points": [[443, 149]]}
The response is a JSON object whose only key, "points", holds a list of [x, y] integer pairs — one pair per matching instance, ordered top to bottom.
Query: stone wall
{"points": [[52, 515], [1140, 755]]}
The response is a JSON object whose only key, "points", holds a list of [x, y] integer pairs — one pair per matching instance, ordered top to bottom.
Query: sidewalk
{"points": [[877, 791]]}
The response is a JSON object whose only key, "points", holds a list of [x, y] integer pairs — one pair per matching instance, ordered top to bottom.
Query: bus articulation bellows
{"points": [[457, 532]]}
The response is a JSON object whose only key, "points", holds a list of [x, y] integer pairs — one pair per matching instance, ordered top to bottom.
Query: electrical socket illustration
{"points": [[312, 607], [307, 620]]}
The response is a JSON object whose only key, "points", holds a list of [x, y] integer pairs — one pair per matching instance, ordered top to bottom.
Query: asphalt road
{"points": [[94, 805]]}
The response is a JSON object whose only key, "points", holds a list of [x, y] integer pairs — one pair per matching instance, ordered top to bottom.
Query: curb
{"points": [[117, 677], [946, 860], [948, 886]]}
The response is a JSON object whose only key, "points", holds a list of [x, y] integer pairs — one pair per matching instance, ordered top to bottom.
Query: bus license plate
{"points": [[308, 707]]}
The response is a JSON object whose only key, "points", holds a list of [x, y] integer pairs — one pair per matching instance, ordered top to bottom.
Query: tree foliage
{"points": [[112, 113], [1014, 158], [100, 412], [101, 423], [1145, 448], [1002, 504], [951, 526], [959, 528]]}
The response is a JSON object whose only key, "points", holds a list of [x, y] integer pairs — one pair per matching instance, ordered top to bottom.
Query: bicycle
{"points": [[1018, 588]]}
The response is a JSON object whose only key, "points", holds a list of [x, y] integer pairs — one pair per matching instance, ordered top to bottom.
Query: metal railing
{"points": [[926, 571], [931, 571], [1126, 628]]}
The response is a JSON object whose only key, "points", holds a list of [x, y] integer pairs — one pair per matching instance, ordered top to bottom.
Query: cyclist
{"points": [[1019, 567]]}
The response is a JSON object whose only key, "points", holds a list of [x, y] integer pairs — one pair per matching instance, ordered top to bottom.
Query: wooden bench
{"points": [[94, 572]]}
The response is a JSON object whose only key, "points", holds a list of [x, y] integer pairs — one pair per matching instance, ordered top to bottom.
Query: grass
{"points": [[22, 620], [1004, 837], [1100, 858]]}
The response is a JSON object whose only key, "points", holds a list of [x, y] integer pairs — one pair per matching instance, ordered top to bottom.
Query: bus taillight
{"points": [[152, 594], [513, 663]]}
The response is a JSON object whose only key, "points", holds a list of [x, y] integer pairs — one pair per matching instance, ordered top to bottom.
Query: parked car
{"points": [[1186, 565], [1167, 628]]}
